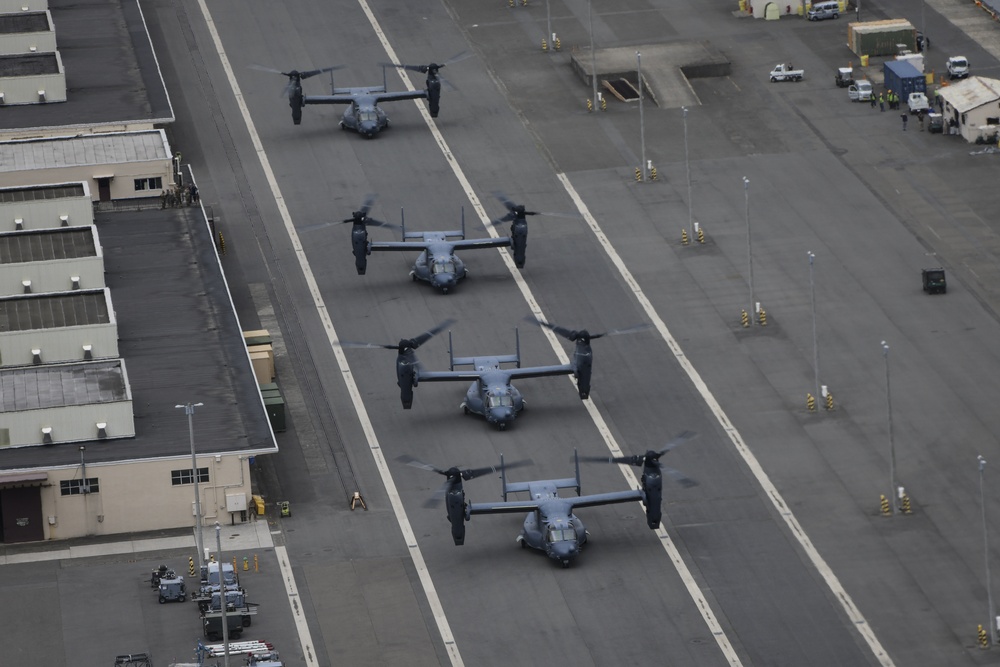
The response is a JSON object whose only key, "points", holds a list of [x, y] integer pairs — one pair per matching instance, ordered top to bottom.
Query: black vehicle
{"points": [[934, 281]]}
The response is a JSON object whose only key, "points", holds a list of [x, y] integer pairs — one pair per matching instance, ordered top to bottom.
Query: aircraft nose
{"points": [[367, 128], [444, 281], [501, 416], [564, 550]]}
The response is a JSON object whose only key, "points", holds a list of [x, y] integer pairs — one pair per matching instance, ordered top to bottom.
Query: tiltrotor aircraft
{"points": [[363, 114], [437, 262], [491, 393], [551, 525]]}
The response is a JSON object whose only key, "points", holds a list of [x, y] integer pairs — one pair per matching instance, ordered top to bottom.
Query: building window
{"points": [[993, 121], [148, 184], [4, 437], [178, 477], [75, 487]]}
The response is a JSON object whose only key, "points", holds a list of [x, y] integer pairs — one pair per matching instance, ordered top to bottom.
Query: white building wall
{"points": [[16, 6], [29, 42], [122, 175], [46, 213], [60, 345], [139, 496]]}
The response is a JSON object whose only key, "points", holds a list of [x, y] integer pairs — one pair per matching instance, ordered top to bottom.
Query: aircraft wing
{"points": [[402, 95], [328, 99], [501, 242], [399, 246], [539, 371], [447, 376], [605, 498], [508, 507]]}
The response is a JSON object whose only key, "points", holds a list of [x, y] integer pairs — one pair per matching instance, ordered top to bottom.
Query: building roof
{"points": [[22, 22], [27, 64], [106, 82], [972, 93], [88, 149], [41, 192], [47, 244], [30, 312], [180, 338], [60, 385]]}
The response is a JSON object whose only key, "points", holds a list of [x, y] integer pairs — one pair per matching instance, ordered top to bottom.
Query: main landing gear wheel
{"points": [[465, 409]]}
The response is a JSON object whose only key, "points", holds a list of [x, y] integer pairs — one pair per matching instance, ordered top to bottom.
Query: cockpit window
{"points": [[366, 115], [443, 267], [504, 401], [561, 535]]}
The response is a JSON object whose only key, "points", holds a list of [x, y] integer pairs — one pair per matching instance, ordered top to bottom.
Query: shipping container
{"points": [[903, 78]]}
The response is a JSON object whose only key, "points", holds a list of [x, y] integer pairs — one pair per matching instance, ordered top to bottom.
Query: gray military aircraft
{"points": [[363, 114], [437, 262], [491, 393], [551, 525]]}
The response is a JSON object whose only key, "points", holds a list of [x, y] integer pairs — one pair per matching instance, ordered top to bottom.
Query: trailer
{"points": [[903, 78], [211, 622]]}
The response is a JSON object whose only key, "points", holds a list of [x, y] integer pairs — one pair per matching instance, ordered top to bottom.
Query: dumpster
{"points": [[258, 504]]}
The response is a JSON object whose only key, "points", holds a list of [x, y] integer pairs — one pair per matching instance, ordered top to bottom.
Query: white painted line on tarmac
{"points": [[314, 291], [295, 602], [857, 619]]}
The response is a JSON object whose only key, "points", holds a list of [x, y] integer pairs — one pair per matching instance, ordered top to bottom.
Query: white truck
{"points": [[958, 67], [785, 72], [860, 91], [918, 103]]}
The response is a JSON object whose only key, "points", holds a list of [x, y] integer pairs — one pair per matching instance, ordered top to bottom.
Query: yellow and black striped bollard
{"points": [[557, 43], [545, 45], [604, 103], [590, 105], [652, 173], [638, 174], [701, 235], [684, 237], [762, 317], [744, 319], [829, 401], [810, 403], [884, 504], [905, 505], [190, 566], [984, 641]]}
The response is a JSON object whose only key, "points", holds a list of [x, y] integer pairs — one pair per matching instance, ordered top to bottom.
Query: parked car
{"points": [[923, 43], [958, 67], [785, 72], [845, 77], [861, 91], [918, 103]]}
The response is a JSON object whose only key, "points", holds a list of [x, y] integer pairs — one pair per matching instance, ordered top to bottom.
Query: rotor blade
{"points": [[270, 70], [314, 72], [366, 205], [562, 331], [618, 332], [430, 333], [366, 346], [678, 439], [417, 463], [478, 472], [679, 477]]}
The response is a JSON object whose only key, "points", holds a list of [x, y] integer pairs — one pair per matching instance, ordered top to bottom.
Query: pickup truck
{"points": [[958, 67], [785, 72], [860, 91], [917, 103]]}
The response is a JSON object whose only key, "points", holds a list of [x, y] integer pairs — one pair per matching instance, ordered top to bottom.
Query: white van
{"points": [[829, 9]]}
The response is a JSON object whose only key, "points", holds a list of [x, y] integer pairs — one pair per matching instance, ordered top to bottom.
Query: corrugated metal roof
{"points": [[971, 93], [91, 149], [40, 193], [46, 244], [48, 311], [34, 387]]}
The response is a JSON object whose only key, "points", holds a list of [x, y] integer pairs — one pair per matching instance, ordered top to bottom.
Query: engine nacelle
{"points": [[434, 95], [295, 100], [519, 240], [359, 243], [583, 361], [406, 378], [652, 486], [455, 500]]}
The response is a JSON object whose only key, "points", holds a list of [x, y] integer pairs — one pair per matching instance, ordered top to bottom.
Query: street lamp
{"points": [[593, 54], [642, 123], [687, 162], [746, 194], [812, 293], [189, 411], [892, 443], [986, 555], [223, 597]]}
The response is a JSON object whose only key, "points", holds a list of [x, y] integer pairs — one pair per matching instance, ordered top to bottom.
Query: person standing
{"points": [[871, 98], [881, 101], [920, 117], [905, 118]]}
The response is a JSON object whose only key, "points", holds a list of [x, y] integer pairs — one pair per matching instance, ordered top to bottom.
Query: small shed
{"points": [[972, 106]]}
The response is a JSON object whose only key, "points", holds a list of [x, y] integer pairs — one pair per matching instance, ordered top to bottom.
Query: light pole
{"points": [[548, 23], [593, 54], [642, 123], [687, 162], [746, 194], [812, 293], [189, 411], [892, 443], [986, 554], [223, 598]]}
